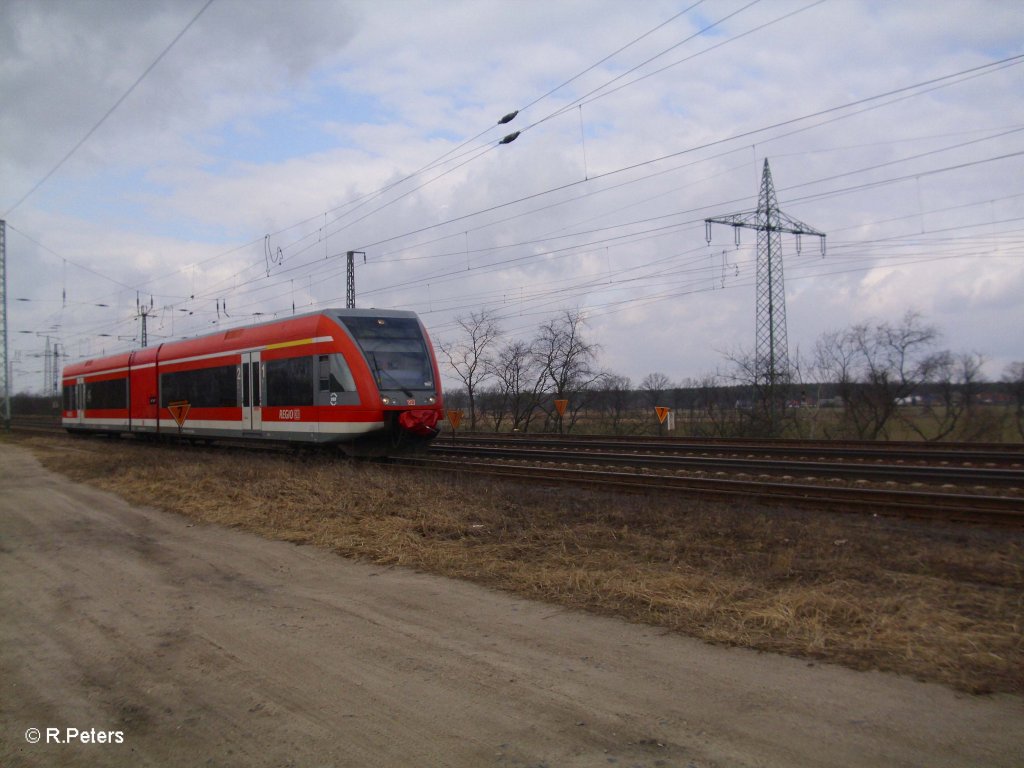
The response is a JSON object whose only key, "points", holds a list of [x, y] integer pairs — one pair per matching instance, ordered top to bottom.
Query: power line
{"points": [[613, 54], [1017, 59], [585, 100], [109, 112], [480, 151], [653, 160], [73, 263], [309, 266], [458, 273]]}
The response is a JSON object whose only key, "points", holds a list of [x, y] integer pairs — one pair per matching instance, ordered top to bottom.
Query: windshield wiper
{"points": [[398, 384]]}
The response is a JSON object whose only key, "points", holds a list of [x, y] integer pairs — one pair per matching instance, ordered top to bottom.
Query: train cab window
{"points": [[395, 351], [334, 374], [70, 400]]}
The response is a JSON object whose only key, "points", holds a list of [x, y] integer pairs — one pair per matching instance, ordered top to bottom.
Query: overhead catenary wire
{"points": [[1013, 59], [1016, 60], [457, 152], [428, 166], [46, 177], [810, 197], [362, 200], [309, 266], [457, 273]]}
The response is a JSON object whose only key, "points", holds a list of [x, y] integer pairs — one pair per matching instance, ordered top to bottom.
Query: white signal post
{"points": [[560, 406], [666, 417], [454, 418]]}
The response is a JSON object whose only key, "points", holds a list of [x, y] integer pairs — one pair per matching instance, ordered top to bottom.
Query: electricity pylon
{"points": [[771, 350]]}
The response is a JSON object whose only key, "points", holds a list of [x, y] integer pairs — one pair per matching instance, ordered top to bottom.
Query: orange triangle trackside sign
{"points": [[560, 406], [179, 410], [662, 413], [455, 418]]}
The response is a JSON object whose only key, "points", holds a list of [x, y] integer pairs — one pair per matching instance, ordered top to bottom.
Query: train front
{"points": [[401, 360]]}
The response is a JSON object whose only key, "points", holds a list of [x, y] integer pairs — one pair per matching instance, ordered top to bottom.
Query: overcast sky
{"points": [[219, 159]]}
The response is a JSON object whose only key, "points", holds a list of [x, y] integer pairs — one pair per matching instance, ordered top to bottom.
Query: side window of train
{"points": [[334, 374], [289, 381], [335, 384], [202, 388], [107, 394]]}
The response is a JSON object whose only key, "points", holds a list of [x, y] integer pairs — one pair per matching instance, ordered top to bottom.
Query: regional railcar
{"points": [[365, 379]]}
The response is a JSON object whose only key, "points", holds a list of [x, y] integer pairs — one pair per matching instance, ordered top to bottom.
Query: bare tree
{"points": [[469, 356], [566, 361], [876, 368], [1014, 378], [954, 381], [520, 382], [654, 386], [653, 389], [613, 395], [493, 404], [716, 406], [760, 409]]}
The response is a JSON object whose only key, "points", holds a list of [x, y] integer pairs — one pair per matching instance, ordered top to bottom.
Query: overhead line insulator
{"points": [[508, 118], [510, 138]]}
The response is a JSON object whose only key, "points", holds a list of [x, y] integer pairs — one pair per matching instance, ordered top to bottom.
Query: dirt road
{"points": [[187, 645]]}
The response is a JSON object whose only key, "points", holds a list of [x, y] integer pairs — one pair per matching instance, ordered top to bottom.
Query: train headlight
{"points": [[431, 399], [386, 400]]}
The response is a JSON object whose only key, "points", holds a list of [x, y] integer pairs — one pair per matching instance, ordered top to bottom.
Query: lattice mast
{"points": [[350, 278], [143, 313], [771, 349], [47, 367]]}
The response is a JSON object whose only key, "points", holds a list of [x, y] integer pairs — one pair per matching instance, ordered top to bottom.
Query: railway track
{"points": [[965, 454], [907, 473], [954, 482], [961, 483], [958, 507]]}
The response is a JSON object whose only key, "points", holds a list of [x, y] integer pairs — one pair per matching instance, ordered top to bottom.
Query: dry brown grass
{"points": [[939, 602]]}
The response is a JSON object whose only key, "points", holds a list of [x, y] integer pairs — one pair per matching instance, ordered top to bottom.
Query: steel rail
{"points": [[32, 425], [925, 445], [989, 454], [1009, 454], [981, 476], [962, 507], [1000, 510]]}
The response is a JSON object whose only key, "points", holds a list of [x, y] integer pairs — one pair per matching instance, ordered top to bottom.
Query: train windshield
{"points": [[395, 351]]}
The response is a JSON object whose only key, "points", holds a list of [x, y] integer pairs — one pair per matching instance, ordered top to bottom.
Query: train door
{"points": [[252, 392], [80, 401]]}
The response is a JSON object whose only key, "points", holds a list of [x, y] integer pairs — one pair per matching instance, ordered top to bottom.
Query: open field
{"points": [[941, 603]]}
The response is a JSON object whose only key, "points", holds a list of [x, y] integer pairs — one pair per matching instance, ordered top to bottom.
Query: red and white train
{"points": [[365, 379]]}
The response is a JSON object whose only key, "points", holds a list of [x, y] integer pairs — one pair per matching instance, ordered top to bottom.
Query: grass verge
{"points": [[939, 602]]}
